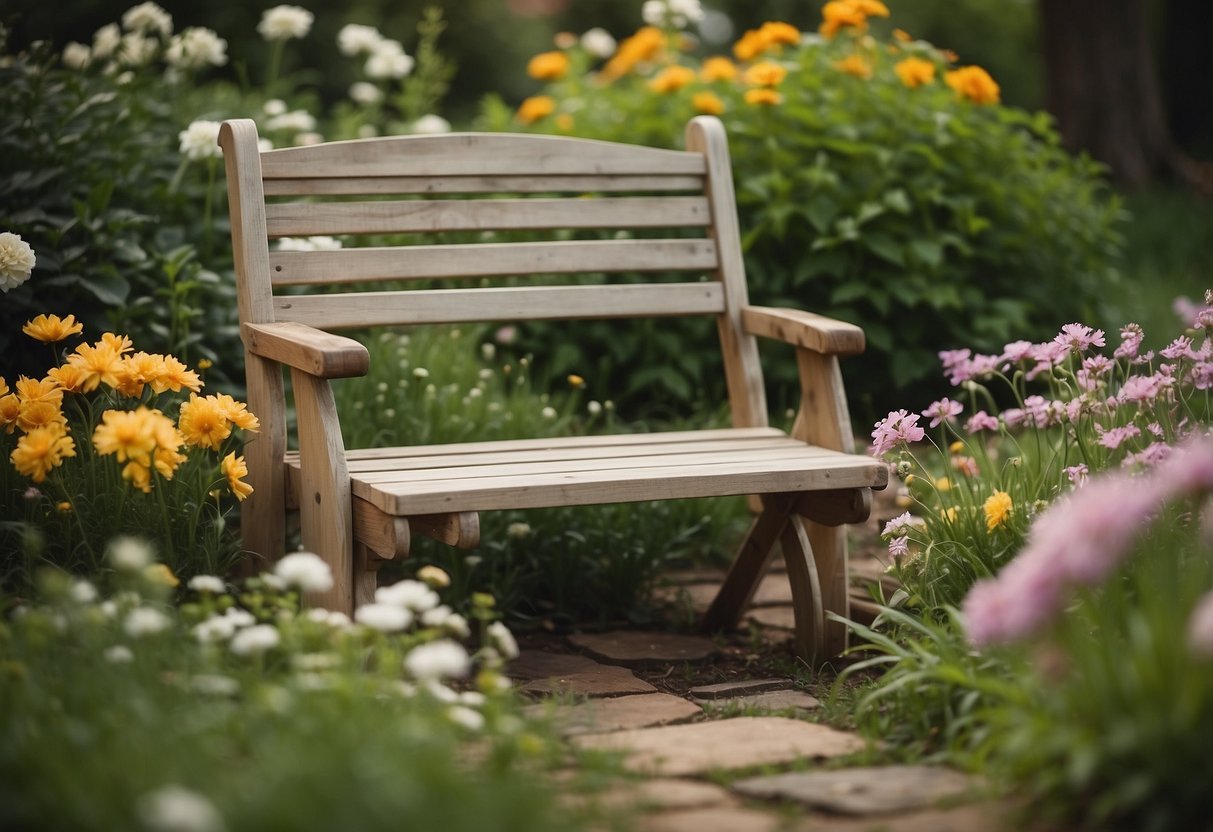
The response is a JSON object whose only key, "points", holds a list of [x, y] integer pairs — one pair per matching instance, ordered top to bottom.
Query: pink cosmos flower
{"points": [[1131, 336], [1078, 338], [1181, 347], [1016, 351], [1202, 375], [1144, 388], [1075, 408], [1037, 409], [944, 410], [1013, 416], [980, 421], [898, 426], [1115, 437], [1153, 454], [1077, 474], [900, 524], [899, 547]]}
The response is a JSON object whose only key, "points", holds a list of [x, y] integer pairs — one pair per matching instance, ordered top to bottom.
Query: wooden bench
{"points": [[359, 508]]}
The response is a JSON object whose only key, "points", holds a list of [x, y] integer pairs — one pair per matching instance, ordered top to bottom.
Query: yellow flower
{"points": [[871, 8], [841, 14], [776, 32], [902, 35], [643, 46], [750, 46], [856, 65], [548, 66], [718, 68], [915, 72], [765, 74], [672, 79], [973, 83], [763, 96], [707, 102], [535, 108], [564, 122], [51, 328], [205, 363], [96, 364], [135, 371], [175, 376], [69, 377], [576, 381], [3, 387], [31, 390], [39, 403], [10, 409], [237, 413], [39, 415], [204, 422], [130, 434], [956, 447], [42, 449], [235, 470], [138, 475], [943, 484], [63, 506], [997, 509], [950, 513], [158, 573]]}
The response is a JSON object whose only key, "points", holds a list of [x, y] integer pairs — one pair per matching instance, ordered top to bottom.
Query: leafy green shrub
{"points": [[875, 181]]}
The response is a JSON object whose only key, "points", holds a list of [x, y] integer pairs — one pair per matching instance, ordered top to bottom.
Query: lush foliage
{"points": [[877, 181], [106, 443], [1074, 528], [239, 711]]}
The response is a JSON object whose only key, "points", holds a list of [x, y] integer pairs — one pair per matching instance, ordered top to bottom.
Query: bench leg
{"points": [[829, 545], [750, 565], [806, 591]]}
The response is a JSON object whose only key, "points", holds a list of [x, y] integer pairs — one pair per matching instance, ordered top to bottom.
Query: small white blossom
{"points": [[676, 13], [149, 19], [285, 22], [355, 39], [106, 40], [598, 42], [195, 48], [137, 49], [77, 55], [388, 61], [366, 93], [274, 107], [296, 121], [431, 124], [308, 139], [200, 140], [264, 144], [17, 261], [421, 372], [593, 407], [548, 412], [518, 530], [129, 554], [306, 571], [273, 582], [207, 583], [83, 592], [411, 595], [239, 617], [442, 617], [332, 618], [386, 618], [145, 621], [214, 629], [255, 639], [503, 640], [118, 654], [443, 659], [315, 661], [214, 684], [439, 691], [473, 698], [466, 717], [175, 808]]}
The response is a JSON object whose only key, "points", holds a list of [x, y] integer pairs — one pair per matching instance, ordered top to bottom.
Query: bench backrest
{"points": [[554, 183]]}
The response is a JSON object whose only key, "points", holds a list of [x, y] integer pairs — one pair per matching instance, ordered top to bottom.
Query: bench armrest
{"points": [[803, 329], [318, 353]]}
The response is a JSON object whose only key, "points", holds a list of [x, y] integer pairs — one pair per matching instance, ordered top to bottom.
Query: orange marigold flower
{"points": [[871, 8], [842, 14], [777, 32], [902, 35], [752, 44], [643, 46], [856, 65], [548, 66], [718, 68], [915, 72], [765, 74], [672, 79], [973, 83], [763, 96], [707, 102], [535, 108], [564, 122], [51, 328], [119, 343], [97, 363], [137, 370], [175, 376], [69, 377], [3, 387], [30, 390], [10, 409], [237, 413], [40, 414], [204, 421], [130, 434], [41, 450], [166, 462], [234, 468], [138, 474], [997, 508]]}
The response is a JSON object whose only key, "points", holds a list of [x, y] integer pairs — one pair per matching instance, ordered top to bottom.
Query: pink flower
{"points": [[1131, 336], [1078, 338], [1181, 347], [1016, 351], [1202, 375], [1144, 388], [1075, 408], [944, 410], [1039, 410], [1013, 416], [980, 421], [898, 426], [1114, 438], [1151, 456], [966, 465], [1077, 474], [901, 524], [899, 547], [1200, 627]]}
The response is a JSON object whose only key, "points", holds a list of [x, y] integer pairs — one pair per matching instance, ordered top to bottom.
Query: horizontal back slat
{"points": [[476, 154], [376, 185], [308, 218], [360, 265], [536, 303]]}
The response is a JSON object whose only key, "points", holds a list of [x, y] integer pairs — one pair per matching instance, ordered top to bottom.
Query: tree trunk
{"points": [[1186, 67], [1103, 89]]}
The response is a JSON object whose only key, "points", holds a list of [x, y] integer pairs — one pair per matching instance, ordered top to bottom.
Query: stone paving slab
{"points": [[774, 589], [778, 618], [637, 647], [537, 664], [600, 680], [737, 687], [774, 700], [619, 713], [701, 747], [862, 791], [667, 793], [994, 816], [717, 819]]}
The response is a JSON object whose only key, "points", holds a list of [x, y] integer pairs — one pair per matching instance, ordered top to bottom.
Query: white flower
{"points": [[676, 13], [149, 19], [285, 22], [354, 39], [106, 40], [598, 42], [195, 48], [137, 49], [77, 55], [389, 61], [364, 92], [275, 107], [298, 121], [431, 124], [367, 131], [308, 138], [201, 140], [264, 144], [17, 261], [421, 372], [593, 407], [548, 412], [518, 530], [129, 554], [306, 571], [433, 576], [207, 583], [83, 592], [411, 595], [239, 617], [332, 618], [386, 618], [443, 618], [145, 621], [216, 628], [255, 639], [503, 640], [118, 654], [441, 659], [311, 662], [214, 684], [440, 691], [473, 698], [466, 717], [175, 808]]}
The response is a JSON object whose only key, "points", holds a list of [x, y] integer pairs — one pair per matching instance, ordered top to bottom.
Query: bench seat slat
{"points": [[382, 185], [291, 219], [360, 265], [535, 303]]}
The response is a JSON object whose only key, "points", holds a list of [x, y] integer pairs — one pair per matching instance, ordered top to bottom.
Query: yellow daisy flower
{"points": [[548, 66], [718, 68], [707, 102], [535, 108], [51, 328], [175, 376], [204, 422], [129, 434], [42, 449], [235, 470], [997, 507]]}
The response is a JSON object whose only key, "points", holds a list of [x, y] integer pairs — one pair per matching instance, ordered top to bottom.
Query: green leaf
{"points": [[884, 247], [927, 252], [109, 288]]}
